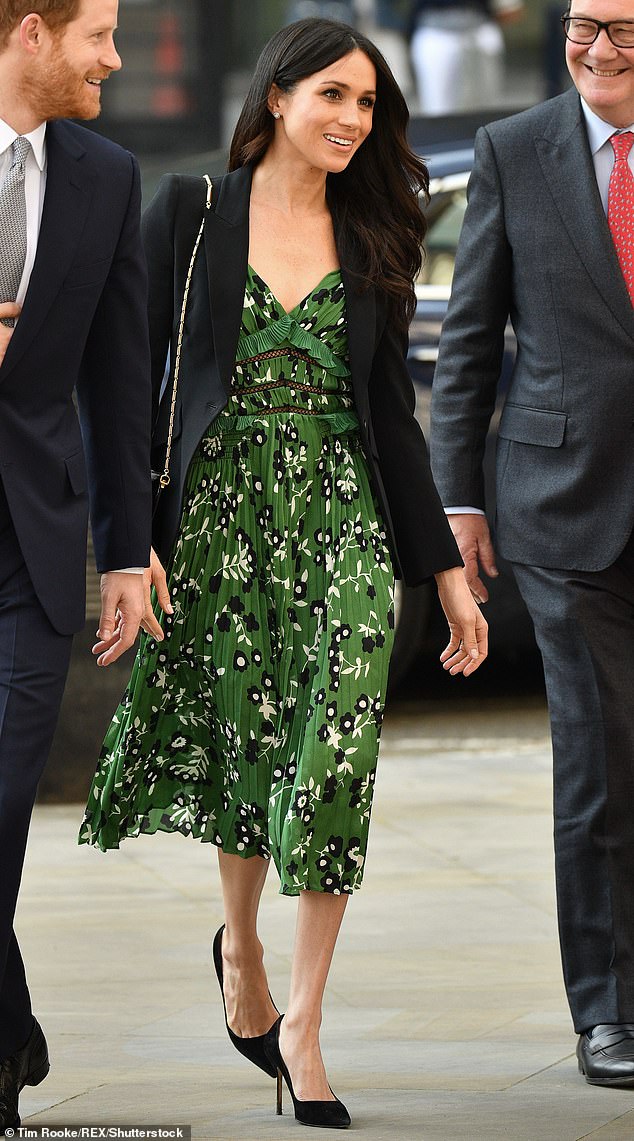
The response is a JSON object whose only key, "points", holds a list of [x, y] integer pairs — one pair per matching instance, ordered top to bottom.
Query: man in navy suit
{"points": [[548, 240], [73, 318]]}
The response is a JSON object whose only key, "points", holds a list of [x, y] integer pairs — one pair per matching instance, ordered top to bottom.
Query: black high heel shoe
{"points": [[250, 1048], [326, 1114]]}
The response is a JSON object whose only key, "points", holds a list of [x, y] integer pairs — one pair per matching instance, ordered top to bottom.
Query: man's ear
{"points": [[31, 32]]}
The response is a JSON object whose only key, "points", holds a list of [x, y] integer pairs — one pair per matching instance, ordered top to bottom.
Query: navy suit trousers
{"points": [[584, 622], [34, 661]]}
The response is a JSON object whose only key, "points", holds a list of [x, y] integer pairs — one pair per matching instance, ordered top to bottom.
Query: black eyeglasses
{"points": [[582, 30]]}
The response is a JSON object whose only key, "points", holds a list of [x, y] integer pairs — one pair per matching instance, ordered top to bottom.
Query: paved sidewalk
{"points": [[445, 1018]]}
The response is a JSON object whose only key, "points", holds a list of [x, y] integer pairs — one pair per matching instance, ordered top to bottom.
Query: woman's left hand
{"points": [[154, 576], [468, 644]]}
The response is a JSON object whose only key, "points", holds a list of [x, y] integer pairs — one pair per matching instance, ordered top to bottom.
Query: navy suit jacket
{"points": [[83, 329], [421, 540]]}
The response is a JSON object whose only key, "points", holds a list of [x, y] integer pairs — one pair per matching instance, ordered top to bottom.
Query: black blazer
{"points": [[82, 326], [421, 539]]}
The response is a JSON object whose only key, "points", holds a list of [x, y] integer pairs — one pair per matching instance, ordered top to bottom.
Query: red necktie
{"points": [[621, 206]]}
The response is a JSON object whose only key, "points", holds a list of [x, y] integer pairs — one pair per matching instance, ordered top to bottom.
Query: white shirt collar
{"points": [[598, 130], [37, 139]]}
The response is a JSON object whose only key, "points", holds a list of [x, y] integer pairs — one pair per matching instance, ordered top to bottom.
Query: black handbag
{"points": [[161, 480]]}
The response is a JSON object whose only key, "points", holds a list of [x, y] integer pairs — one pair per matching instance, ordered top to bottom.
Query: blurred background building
{"points": [[187, 63]]}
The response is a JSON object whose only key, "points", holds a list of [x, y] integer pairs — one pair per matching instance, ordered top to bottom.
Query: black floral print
{"points": [[255, 724]]}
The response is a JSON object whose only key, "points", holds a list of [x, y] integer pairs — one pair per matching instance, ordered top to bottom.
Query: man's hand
{"points": [[8, 309], [473, 537], [154, 576], [122, 603], [468, 643]]}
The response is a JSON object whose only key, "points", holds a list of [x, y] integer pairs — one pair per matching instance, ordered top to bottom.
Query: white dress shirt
{"points": [[599, 135], [602, 151], [34, 191]]}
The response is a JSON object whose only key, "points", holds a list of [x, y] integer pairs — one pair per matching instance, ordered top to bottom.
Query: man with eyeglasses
{"points": [[548, 240]]}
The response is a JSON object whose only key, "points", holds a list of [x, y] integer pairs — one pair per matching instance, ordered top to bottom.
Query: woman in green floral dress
{"points": [[299, 483]]}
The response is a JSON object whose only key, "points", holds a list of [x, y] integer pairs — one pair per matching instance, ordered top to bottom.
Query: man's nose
{"points": [[602, 46], [110, 58]]}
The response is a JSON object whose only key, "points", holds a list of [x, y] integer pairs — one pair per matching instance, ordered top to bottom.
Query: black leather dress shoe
{"points": [[606, 1054], [28, 1067]]}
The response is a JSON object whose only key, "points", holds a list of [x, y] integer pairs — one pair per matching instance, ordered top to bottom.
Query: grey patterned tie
{"points": [[13, 225]]}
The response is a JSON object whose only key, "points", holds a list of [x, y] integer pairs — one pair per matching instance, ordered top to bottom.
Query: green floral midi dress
{"points": [[255, 725]]}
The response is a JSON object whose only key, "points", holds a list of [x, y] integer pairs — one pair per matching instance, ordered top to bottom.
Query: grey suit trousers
{"points": [[584, 623]]}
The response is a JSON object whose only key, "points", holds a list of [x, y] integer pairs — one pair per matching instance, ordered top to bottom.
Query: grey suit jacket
{"points": [[536, 245]]}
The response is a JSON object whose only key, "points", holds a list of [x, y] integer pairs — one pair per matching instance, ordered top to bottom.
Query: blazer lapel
{"points": [[568, 168], [69, 188], [226, 238], [227, 253], [360, 316], [361, 320]]}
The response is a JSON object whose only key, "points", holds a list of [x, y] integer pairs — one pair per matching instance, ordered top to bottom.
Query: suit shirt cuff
{"points": [[463, 511], [127, 570]]}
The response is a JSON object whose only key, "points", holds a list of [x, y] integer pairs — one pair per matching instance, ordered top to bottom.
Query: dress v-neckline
{"points": [[288, 312]]}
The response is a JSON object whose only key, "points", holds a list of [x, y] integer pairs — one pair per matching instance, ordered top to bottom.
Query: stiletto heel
{"points": [[250, 1048], [279, 1093], [325, 1114]]}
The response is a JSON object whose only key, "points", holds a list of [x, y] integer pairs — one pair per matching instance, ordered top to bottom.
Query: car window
{"points": [[445, 214]]}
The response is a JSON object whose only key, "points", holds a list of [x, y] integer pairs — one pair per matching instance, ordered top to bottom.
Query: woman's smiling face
{"points": [[327, 116]]}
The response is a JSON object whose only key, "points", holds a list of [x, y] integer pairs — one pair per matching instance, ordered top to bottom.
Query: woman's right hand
{"points": [[155, 577]]}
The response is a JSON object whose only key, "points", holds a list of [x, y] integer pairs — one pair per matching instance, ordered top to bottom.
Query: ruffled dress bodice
{"points": [[294, 362]]}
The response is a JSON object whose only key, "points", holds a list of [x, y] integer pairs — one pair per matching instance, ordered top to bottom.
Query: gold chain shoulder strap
{"points": [[164, 478]]}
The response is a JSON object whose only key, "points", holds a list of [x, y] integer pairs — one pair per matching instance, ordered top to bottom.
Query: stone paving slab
{"points": [[445, 1017]]}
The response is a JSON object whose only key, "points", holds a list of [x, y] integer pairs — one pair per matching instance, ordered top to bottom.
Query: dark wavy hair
{"points": [[375, 201]]}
